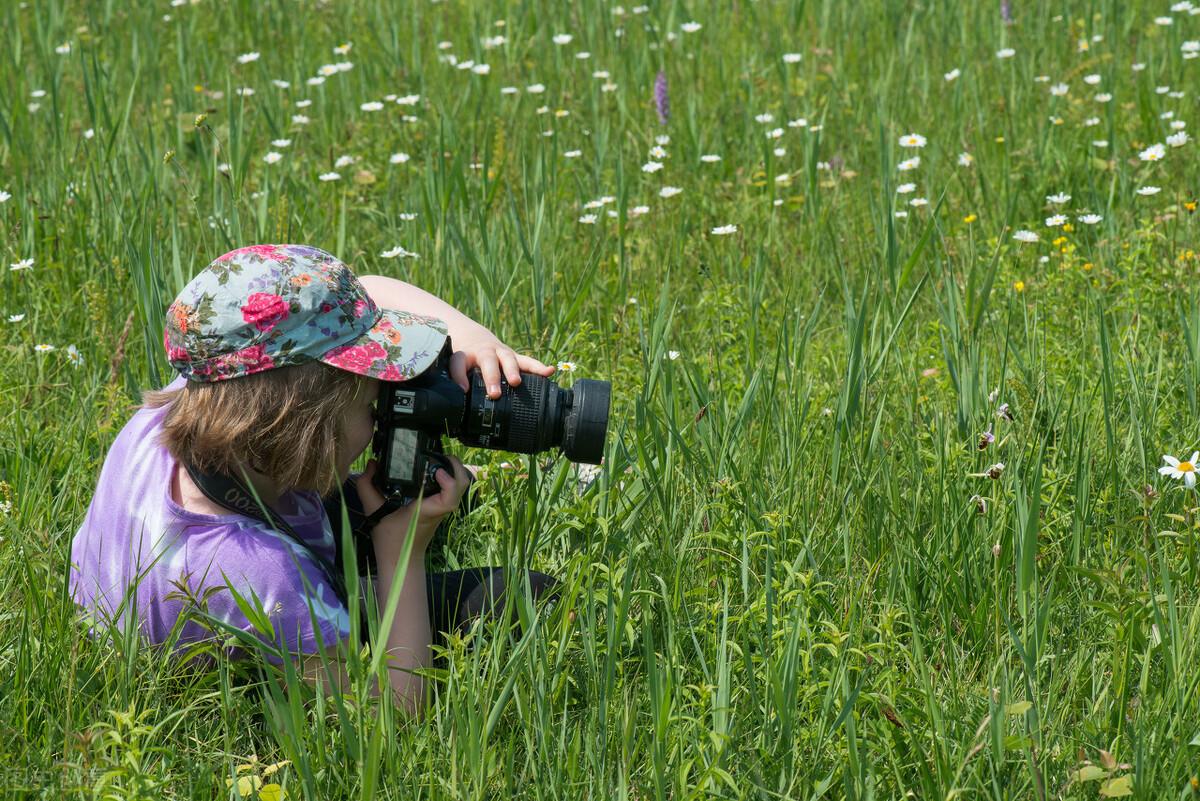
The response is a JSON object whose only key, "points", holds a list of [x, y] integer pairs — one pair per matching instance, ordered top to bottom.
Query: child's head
{"points": [[280, 344]]}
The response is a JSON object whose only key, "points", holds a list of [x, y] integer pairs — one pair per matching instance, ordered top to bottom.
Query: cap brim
{"points": [[401, 345]]}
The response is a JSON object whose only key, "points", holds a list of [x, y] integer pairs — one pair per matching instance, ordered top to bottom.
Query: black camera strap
{"points": [[233, 494]]}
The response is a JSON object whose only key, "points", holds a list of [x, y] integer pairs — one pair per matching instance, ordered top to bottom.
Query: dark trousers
{"points": [[455, 597]]}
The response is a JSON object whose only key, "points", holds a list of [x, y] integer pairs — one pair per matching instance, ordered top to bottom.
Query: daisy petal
{"points": [[1171, 460], [1189, 479]]}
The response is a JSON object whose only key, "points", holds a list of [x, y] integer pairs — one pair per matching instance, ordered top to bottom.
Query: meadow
{"points": [[899, 304]]}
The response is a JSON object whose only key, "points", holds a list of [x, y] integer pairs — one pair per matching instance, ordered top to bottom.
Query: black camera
{"points": [[412, 417]]}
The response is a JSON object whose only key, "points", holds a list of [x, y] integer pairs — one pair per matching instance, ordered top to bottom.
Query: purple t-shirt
{"points": [[134, 528]]}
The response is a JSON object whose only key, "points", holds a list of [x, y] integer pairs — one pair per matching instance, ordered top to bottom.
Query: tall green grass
{"points": [[781, 584]]}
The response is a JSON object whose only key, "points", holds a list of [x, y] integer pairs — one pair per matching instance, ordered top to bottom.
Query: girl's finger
{"points": [[532, 365], [489, 366], [458, 369], [512, 370]]}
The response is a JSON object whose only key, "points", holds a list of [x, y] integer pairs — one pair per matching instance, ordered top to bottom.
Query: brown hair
{"points": [[286, 423]]}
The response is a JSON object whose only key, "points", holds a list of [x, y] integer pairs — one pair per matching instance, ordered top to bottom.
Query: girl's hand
{"points": [[483, 350], [390, 532]]}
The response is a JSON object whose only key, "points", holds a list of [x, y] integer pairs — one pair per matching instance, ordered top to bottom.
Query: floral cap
{"points": [[267, 306]]}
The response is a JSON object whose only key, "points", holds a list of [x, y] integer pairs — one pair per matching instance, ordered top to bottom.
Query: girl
{"points": [[281, 350]]}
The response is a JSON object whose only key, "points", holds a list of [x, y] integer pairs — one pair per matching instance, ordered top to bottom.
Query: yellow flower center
{"points": [[1186, 467]]}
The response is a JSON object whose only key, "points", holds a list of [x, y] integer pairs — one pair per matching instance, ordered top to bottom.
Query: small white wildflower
{"points": [[690, 27], [562, 38], [1006, 52], [246, 58], [792, 58], [952, 74], [1091, 80], [1059, 89], [1103, 97], [372, 105], [1178, 139], [281, 142], [1153, 153], [572, 154], [272, 157], [710, 158], [965, 159], [344, 161], [909, 164], [651, 166], [329, 176], [904, 189], [669, 191], [1146, 191], [1058, 199], [638, 211], [588, 219], [1089, 219], [1056, 220], [724, 230], [1025, 236], [398, 252], [23, 264], [43, 348]]}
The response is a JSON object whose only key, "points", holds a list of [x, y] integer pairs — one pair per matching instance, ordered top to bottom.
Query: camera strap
{"points": [[231, 493]]}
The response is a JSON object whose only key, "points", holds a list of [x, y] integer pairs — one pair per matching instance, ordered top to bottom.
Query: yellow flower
{"points": [[999, 140], [970, 218], [1068, 227], [1058, 240], [1087, 265], [1019, 286]]}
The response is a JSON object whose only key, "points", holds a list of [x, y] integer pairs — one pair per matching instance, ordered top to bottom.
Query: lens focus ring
{"points": [[528, 409]]}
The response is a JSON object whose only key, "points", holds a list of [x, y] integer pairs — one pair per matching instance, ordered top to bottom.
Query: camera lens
{"points": [[538, 415]]}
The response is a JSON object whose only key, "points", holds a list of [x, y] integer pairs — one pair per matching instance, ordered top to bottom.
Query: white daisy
{"points": [[690, 27], [562, 38], [1006, 52], [246, 58], [792, 58], [952, 74], [280, 84], [535, 88], [1059, 89], [408, 100], [303, 103], [372, 105], [300, 119], [1178, 139], [912, 140], [280, 142], [1153, 153], [572, 154], [272, 157], [399, 158], [710, 158], [965, 159], [344, 161], [909, 164], [652, 166], [329, 176], [904, 189], [669, 191], [1146, 191], [4, 196], [1058, 199], [918, 202], [638, 211], [588, 219], [1089, 219], [1056, 220], [724, 230], [1025, 236], [398, 252], [23, 264], [16, 318], [43, 348], [74, 356], [1177, 469]]}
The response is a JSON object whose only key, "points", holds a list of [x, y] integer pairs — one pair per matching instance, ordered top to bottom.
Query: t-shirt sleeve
{"points": [[281, 582]]}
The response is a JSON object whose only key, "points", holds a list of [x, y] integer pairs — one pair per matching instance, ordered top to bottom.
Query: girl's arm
{"points": [[475, 346], [409, 638]]}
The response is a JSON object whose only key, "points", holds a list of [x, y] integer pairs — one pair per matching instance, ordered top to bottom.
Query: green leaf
{"points": [[1018, 708], [1091, 773], [1118, 787]]}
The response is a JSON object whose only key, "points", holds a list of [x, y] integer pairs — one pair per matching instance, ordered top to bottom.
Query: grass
{"points": [[782, 584]]}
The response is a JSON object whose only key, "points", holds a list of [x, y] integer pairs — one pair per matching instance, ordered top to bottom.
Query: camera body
{"points": [[413, 416]]}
